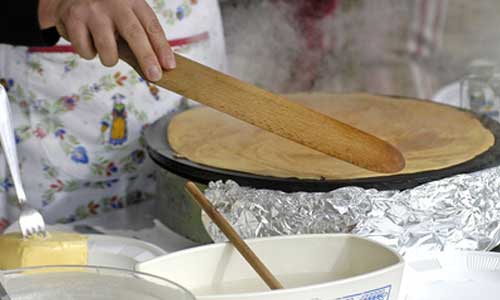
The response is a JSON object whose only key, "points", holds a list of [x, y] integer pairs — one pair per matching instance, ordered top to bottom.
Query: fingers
{"points": [[72, 25], [94, 27], [133, 33], [156, 35], [79, 36], [104, 39]]}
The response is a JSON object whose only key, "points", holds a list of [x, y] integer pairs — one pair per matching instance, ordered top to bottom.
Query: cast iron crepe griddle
{"points": [[162, 152]]}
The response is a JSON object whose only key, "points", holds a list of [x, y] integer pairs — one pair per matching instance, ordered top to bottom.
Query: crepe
{"points": [[430, 136]]}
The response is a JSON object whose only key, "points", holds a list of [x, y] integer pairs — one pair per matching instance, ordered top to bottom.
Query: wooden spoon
{"points": [[276, 114], [233, 236]]}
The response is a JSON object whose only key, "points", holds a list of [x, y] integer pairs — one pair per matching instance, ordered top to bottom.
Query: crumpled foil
{"points": [[456, 213]]}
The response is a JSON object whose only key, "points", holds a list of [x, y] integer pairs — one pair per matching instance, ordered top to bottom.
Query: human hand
{"points": [[95, 26]]}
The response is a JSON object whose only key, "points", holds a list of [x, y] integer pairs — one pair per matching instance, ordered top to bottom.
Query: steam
{"points": [[262, 44], [371, 49]]}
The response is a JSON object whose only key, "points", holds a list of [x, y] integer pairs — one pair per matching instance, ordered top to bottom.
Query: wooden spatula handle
{"points": [[276, 114], [233, 236]]}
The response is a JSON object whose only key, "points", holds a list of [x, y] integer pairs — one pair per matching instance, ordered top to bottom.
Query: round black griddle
{"points": [[161, 152]]}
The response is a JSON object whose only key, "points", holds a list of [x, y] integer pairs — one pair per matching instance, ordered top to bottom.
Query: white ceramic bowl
{"points": [[319, 267]]}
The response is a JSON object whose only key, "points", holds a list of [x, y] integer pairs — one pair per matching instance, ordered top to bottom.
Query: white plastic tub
{"points": [[319, 267], [87, 283]]}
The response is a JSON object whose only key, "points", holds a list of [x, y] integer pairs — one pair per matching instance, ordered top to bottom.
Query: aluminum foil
{"points": [[456, 213]]}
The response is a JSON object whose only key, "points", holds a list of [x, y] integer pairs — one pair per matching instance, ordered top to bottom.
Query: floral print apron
{"points": [[78, 124]]}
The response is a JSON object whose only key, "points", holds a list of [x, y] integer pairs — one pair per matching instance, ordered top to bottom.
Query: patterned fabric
{"points": [[78, 125]]}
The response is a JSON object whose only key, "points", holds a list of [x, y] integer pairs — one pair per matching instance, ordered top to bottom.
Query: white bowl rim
{"points": [[395, 266]]}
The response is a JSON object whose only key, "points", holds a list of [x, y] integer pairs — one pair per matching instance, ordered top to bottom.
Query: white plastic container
{"points": [[311, 267], [87, 283]]}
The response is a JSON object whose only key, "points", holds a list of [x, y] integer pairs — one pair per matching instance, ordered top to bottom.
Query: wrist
{"points": [[47, 13]]}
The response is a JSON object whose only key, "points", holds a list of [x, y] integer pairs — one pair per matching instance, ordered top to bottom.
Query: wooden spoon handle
{"points": [[276, 114], [233, 236]]}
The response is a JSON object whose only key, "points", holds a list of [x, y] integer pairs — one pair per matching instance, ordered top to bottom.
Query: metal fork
{"points": [[30, 220], [3, 293]]}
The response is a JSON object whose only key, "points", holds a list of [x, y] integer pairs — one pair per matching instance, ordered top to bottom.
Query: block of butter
{"points": [[57, 248]]}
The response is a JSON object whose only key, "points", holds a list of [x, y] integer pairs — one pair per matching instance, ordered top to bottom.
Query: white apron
{"points": [[78, 124]]}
